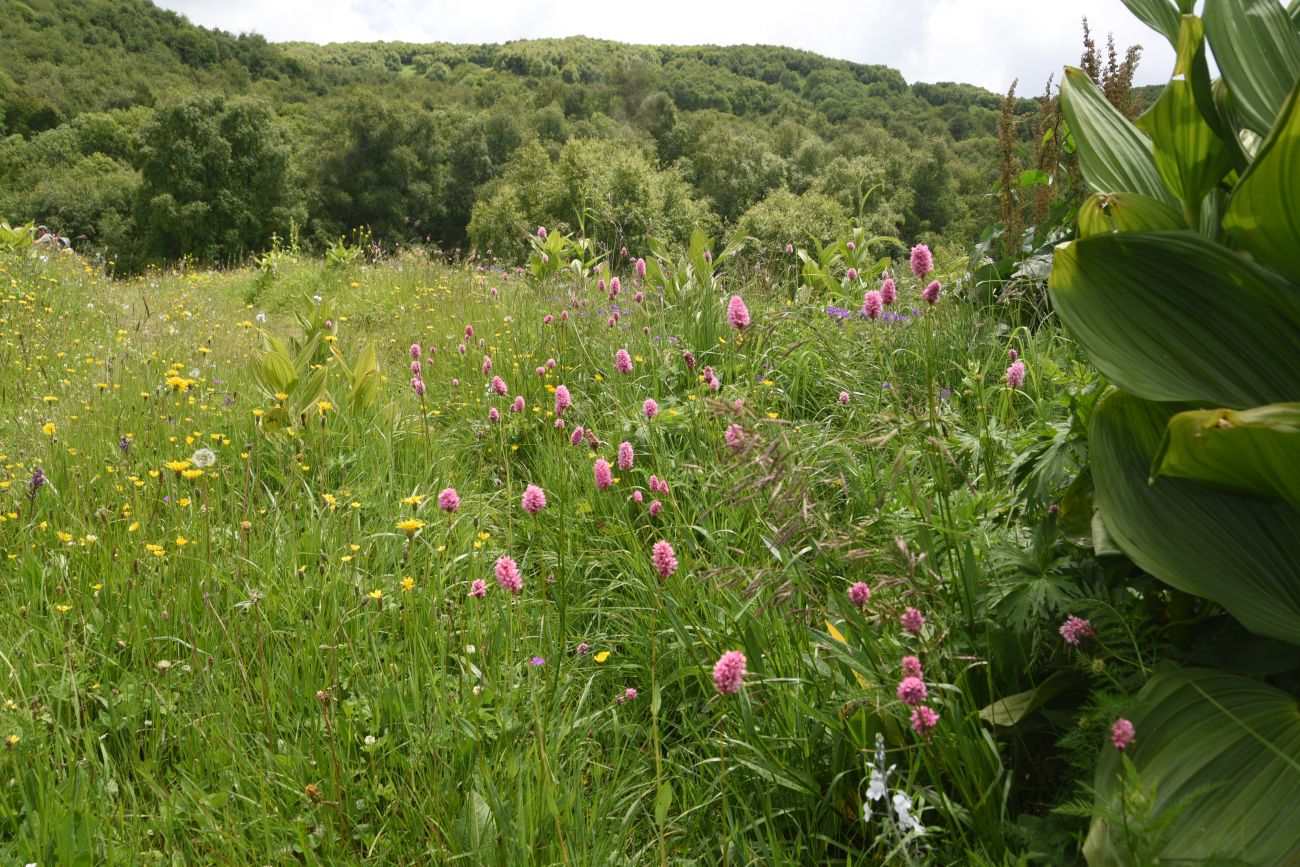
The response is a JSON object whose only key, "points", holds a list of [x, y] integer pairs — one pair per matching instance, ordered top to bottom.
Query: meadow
{"points": [[244, 621]]}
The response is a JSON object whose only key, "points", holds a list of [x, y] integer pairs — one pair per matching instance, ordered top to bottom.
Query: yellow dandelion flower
{"points": [[410, 525]]}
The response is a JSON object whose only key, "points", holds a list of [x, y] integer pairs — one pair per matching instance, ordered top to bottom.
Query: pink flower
{"points": [[541, 232], [789, 248], [922, 261], [640, 268], [852, 274], [615, 286], [888, 292], [931, 293], [637, 299], [872, 304], [737, 313], [564, 316], [548, 319], [469, 331], [462, 348], [415, 350], [1012, 355], [689, 359], [622, 361], [550, 364], [487, 365], [415, 366], [541, 371], [1016, 374], [455, 383], [499, 385], [417, 386], [844, 397], [562, 399], [518, 405], [650, 408], [493, 415], [559, 424], [735, 437], [575, 438], [625, 455], [603, 476], [658, 485], [638, 497], [534, 499], [449, 500], [655, 508], [664, 559], [508, 576], [478, 588], [859, 593], [912, 621], [1075, 629], [583, 648], [911, 666], [729, 672], [912, 690], [629, 694], [924, 719], [1122, 734]]}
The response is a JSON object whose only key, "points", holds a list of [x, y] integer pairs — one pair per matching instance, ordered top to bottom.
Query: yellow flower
{"points": [[324, 406], [49, 428], [178, 467], [192, 474], [414, 500], [410, 525], [181, 541], [407, 584], [376, 594], [63, 609], [602, 656], [11, 741]]}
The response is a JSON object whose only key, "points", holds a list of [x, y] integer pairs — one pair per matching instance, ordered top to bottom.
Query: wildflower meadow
{"points": [[684, 552]]}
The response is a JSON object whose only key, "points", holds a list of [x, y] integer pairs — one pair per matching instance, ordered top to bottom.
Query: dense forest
{"points": [[145, 138]]}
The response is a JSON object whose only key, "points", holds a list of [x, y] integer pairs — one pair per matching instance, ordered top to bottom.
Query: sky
{"points": [[983, 42]]}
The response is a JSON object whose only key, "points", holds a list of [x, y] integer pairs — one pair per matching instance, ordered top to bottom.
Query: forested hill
{"points": [[137, 133]]}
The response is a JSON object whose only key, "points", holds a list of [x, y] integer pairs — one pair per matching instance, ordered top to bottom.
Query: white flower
{"points": [[261, 317], [203, 458], [370, 740], [876, 789], [903, 808]]}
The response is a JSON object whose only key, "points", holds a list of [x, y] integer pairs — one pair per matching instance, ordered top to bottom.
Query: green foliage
{"points": [[438, 144], [786, 218], [1202, 496]]}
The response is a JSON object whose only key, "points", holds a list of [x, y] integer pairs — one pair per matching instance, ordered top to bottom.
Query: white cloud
{"points": [[984, 42]]}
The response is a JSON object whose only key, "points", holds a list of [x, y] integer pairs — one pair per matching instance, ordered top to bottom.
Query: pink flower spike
{"points": [[922, 261], [888, 292], [931, 293], [872, 304], [738, 313], [622, 361], [1016, 374], [844, 397], [562, 399], [650, 408], [575, 438], [625, 456], [604, 478], [449, 500], [534, 500], [655, 508], [664, 559], [508, 577], [478, 588], [859, 594], [912, 621], [1075, 629], [911, 666], [729, 672], [912, 690], [924, 719], [1122, 734]]}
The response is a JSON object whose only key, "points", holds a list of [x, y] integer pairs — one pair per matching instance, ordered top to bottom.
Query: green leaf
{"points": [[1159, 15], [1258, 53], [1189, 154], [1114, 155], [1034, 178], [1264, 212], [1103, 213], [1171, 316], [1253, 452], [1241, 552], [1011, 710], [1220, 753], [663, 801]]}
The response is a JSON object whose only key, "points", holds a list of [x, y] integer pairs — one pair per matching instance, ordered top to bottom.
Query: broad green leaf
{"points": [[1294, 12], [1159, 15], [1258, 52], [1188, 153], [1114, 155], [1034, 177], [1264, 212], [1104, 213], [1171, 316], [278, 372], [310, 390], [1253, 452], [1241, 552], [1009, 711], [1222, 755]]}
